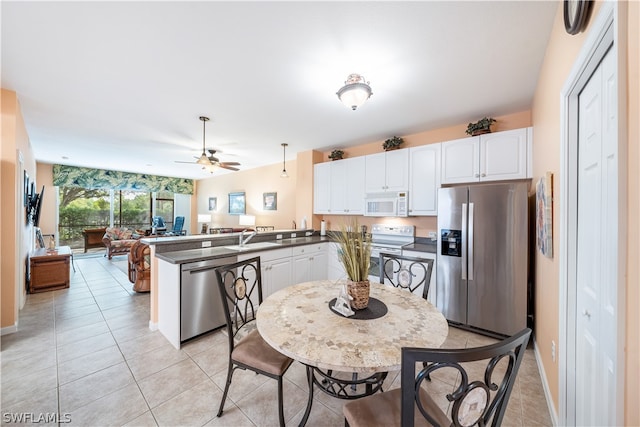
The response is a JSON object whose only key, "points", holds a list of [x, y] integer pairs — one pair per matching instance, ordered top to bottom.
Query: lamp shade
{"points": [[355, 91], [204, 218], [247, 220]]}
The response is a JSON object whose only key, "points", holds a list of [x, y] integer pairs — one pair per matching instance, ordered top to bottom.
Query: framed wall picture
{"points": [[270, 201], [213, 203], [237, 204], [544, 215]]}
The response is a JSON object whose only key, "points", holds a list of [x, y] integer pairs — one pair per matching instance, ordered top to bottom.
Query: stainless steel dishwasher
{"points": [[200, 300]]}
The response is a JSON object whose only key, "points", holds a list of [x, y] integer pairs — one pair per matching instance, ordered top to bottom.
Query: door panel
{"points": [[451, 288]]}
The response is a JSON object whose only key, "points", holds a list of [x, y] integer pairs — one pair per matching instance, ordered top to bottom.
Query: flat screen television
{"points": [[37, 207]]}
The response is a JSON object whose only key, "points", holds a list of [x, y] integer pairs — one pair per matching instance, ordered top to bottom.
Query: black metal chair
{"points": [[406, 272], [240, 285], [479, 399]]}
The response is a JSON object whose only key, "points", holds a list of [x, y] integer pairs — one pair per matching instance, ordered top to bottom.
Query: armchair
{"points": [[140, 267]]}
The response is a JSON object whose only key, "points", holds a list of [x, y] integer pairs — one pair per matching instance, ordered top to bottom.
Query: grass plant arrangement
{"points": [[354, 250]]}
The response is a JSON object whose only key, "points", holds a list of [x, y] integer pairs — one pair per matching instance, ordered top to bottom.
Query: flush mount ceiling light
{"points": [[355, 92], [284, 173]]}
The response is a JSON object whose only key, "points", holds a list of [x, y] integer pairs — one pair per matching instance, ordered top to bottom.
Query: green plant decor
{"points": [[482, 125], [392, 143], [336, 155], [354, 250]]}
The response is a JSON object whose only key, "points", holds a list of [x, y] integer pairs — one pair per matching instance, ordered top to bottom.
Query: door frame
{"points": [[603, 34]]}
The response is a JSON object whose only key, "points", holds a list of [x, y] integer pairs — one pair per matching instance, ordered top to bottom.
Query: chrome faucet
{"points": [[242, 240]]}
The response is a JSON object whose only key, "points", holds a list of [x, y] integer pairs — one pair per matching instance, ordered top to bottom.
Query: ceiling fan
{"points": [[210, 162]]}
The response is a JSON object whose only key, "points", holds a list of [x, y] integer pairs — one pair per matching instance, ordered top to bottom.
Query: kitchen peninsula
{"points": [[185, 297]]}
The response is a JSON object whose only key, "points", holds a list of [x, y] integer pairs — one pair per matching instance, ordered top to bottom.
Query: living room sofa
{"points": [[118, 240]]}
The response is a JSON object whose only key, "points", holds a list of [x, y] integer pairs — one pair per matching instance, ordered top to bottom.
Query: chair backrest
{"points": [[158, 222], [178, 223], [406, 272], [240, 286], [479, 400]]}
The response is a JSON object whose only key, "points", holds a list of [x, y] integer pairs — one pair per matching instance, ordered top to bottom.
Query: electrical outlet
{"points": [[293, 235], [432, 235], [278, 236], [206, 244], [553, 351]]}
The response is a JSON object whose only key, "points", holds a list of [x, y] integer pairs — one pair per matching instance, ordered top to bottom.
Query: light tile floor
{"points": [[87, 354]]}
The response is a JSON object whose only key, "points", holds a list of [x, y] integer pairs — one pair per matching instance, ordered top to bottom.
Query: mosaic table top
{"points": [[298, 322]]}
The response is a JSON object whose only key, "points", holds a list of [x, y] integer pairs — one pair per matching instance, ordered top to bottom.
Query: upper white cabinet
{"points": [[489, 157], [388, 171], [424, 179], [347, 186], [338, 187], [321, 188]]}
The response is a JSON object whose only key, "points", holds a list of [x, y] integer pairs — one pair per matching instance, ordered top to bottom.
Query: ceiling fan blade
{"points": [[189, 163], [230, 163], [224, 166]]}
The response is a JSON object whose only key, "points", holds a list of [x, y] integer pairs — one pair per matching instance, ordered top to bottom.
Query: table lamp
{"points": [[204, 219], [248, 220]]}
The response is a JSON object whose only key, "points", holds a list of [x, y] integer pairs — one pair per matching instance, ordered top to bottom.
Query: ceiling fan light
{"points": [[355, 91], [203, 159]]}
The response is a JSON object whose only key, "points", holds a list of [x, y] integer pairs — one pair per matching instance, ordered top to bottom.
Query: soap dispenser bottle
{"points": [[303, 223]]}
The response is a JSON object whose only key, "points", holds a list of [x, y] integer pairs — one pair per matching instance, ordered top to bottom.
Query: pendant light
{"points": [[355, 92], [203, 159], [284, 173]]}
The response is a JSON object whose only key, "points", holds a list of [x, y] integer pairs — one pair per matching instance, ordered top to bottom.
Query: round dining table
{"points": [[299, 322]]}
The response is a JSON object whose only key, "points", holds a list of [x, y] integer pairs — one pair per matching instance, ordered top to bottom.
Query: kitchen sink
{"points": [[250, 246]]}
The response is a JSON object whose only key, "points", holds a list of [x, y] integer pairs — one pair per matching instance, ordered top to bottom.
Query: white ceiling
{"points": [[120, 85]]}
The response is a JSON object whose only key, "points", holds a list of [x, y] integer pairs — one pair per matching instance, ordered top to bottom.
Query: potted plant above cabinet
{"points": [[480, 127], [392, 143], [336, 154]]}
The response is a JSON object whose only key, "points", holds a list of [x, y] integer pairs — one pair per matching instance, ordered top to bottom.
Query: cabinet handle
{"points": [[484, 174], [477, 175], [586, 313]]}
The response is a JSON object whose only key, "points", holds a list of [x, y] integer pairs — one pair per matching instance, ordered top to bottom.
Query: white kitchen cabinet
{"points": [[489, 157], [388, 171], [424, 179], [347, 186], [321, 188], [309, 263], [275, 269], [431, 297]]}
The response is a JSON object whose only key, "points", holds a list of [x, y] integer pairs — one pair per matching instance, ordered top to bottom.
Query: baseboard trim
{"points": [[153, 325], [9, 329], [545, 385]]}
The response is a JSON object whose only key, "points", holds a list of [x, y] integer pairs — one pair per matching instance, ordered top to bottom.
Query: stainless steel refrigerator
{"points": [[483, 256]]}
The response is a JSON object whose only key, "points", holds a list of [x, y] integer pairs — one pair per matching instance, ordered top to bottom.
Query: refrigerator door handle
{"points": [[470, 238], [464, 241]]}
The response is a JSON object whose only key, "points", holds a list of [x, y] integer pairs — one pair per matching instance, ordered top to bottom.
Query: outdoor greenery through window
{"points": [[82, 209]]}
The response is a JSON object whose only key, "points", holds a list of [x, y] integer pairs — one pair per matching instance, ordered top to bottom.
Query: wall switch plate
{"points": [[308, 233], [293, 235], [432, 235], [278, 236], [206, 244]]}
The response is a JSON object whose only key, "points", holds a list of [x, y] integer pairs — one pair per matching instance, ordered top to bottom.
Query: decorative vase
{"points": [[480, 132], [359, 291]]}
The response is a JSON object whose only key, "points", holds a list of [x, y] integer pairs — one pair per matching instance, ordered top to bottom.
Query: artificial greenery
{"points": [[482, 124], [393, 142], [336, 154], [354, 250]]}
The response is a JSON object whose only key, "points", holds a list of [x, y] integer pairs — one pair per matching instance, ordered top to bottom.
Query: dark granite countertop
{"points": [[201, 254]]}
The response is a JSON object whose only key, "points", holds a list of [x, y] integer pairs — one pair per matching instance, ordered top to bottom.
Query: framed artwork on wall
{"points": [[270, 201], [213, 203], [237, 203], [544, 215]]}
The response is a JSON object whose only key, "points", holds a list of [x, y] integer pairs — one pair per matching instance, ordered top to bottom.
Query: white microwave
{"points": [[386, 204]]}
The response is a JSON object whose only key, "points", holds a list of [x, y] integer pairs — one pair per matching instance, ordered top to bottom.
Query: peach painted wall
{"points": [[560, 57], [254, 182], [423, 224], [15, 234]]}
